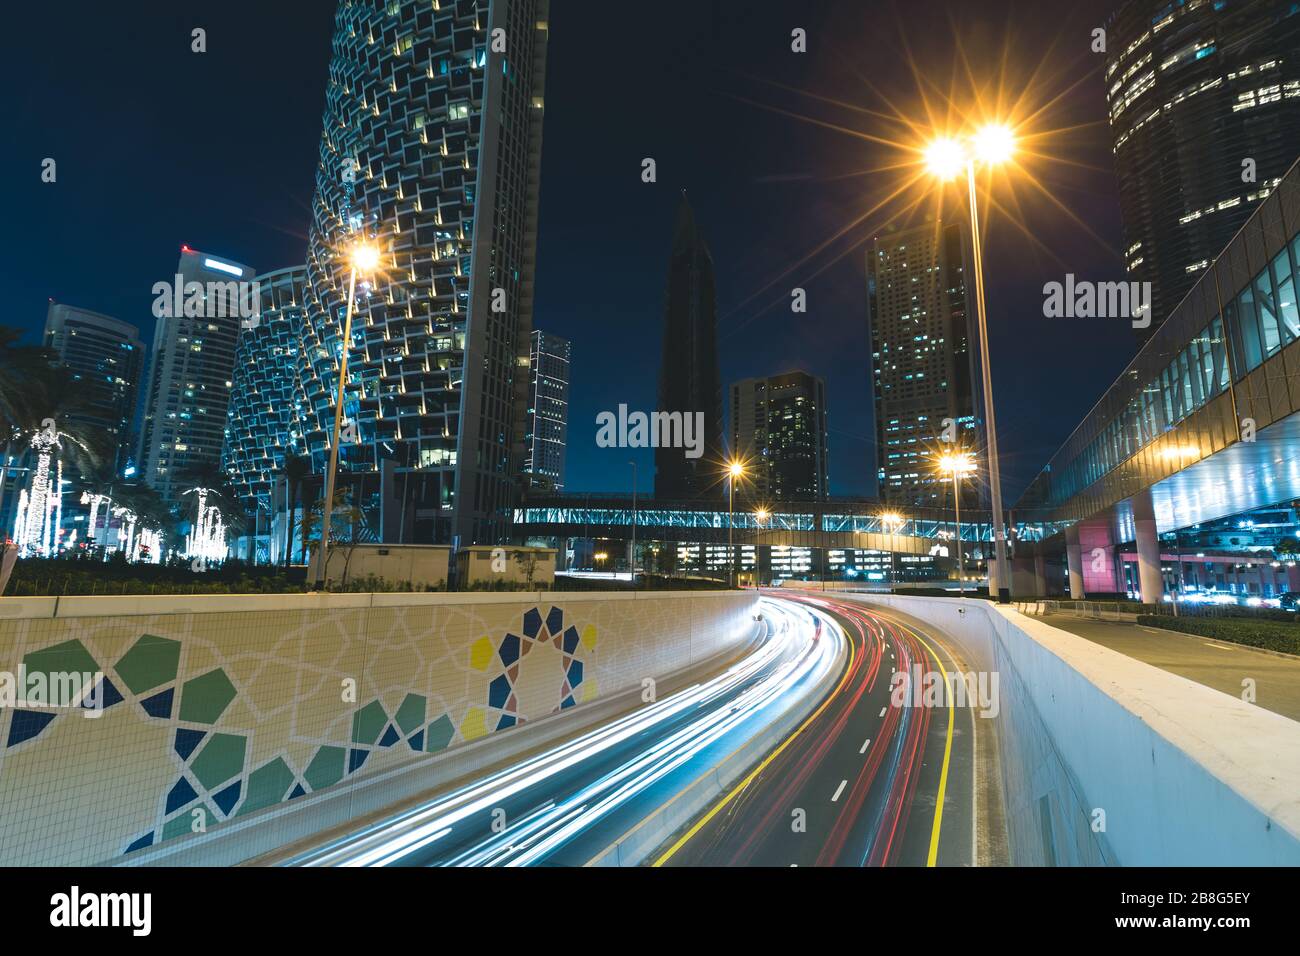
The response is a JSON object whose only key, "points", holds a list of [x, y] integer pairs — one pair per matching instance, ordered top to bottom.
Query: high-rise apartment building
{"points": [[1204, 101], [431, 148], [199, 311], [105, 358], [924, 368], [689, 382], [264, 421], [547, 424], [778, 427]]}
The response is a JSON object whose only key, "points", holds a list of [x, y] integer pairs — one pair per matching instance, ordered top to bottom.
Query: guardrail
{"points": [[1107, 760]]}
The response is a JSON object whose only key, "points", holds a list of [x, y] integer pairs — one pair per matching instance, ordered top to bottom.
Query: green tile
{"points": [[70, 657], [151, 662], [205, 698], [411, 714], [368, 723], [440, 733], [220, 759], [326, 767], [267, 786], [183, 823]]}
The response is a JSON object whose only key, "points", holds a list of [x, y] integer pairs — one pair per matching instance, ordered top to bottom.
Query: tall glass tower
{"points": [[1204, 102], [431, 147], [105, 357], [923, 366], [689, 382], [184, 420], [264, 421], [546, 434]]}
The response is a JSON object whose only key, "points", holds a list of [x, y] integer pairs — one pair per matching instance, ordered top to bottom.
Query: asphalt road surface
{"points": [[861, 782]]}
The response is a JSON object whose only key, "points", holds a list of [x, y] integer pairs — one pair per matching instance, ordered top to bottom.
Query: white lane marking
{"points": [[1215, 646], [882, 712], [865, 744], [839, 790]]}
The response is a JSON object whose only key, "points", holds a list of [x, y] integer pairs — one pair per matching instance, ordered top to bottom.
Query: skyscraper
{"points": [[1204, 103], [432, 148], [199, 314], [105, 357], [923, 365], [689, 382], [264, 421], [778, 426], [546, 430]]}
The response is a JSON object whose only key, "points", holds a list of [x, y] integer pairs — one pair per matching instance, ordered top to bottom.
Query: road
{"points": [[1213, 663], [861, 782], [567, 804]]}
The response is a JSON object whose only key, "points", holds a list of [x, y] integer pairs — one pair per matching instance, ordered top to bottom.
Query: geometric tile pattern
{"points": [[211, 716]]}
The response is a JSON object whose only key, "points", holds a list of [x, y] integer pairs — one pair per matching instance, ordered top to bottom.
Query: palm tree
{"points": [[44, 422], [296, 470], [213, 490]]}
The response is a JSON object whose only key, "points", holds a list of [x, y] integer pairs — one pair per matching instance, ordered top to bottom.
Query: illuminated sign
{"points": [[219, 266]]}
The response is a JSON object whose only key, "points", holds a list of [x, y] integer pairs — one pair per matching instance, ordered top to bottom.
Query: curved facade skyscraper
{"points": [[1204, 101], [431, 146], [264, 421]]}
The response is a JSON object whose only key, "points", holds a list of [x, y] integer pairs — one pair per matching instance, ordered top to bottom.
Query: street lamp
{"points": [[992, 144], [363, 257], [633, 464], [958, 465], [734, 470], [760, 516], [893, 521]]}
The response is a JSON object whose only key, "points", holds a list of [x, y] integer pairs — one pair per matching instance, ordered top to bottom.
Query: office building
{"points": [[1204, 102], [431, 149], [199, 311], [105, 358], [923, 363], [689, 382], [547, 424], [778, 428]]}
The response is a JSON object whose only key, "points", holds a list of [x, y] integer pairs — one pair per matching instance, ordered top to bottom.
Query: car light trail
{"points": [[660, 738]]}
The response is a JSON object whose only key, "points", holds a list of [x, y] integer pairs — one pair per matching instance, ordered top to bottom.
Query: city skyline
{"points": [[835, 311], [726, 434]]}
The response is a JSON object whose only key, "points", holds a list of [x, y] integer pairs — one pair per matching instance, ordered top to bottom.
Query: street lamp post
{"points": [[993, 145], [363, 258], [633, 464], [958, 465], [734, 471], [760, 516], [892, 520]]}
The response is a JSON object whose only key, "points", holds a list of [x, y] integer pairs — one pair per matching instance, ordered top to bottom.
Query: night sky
{"points": [[157, 146]]}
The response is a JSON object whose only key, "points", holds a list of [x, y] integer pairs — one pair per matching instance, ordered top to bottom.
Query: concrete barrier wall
{"points": [[214, 707], [1184, 774]]}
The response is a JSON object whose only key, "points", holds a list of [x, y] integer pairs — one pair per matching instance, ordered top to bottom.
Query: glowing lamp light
{"points": [[994, 144], [945, 157], [364, 257], [956, 464], [736, 469]]}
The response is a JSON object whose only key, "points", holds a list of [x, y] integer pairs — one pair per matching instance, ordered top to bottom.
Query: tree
{"points": [[41, 406], [296, 469], [344, 510], [528, 564]]}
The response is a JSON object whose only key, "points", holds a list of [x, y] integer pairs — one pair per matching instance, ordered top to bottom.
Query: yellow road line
{"points": [[947, 749], [770, 757]]}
